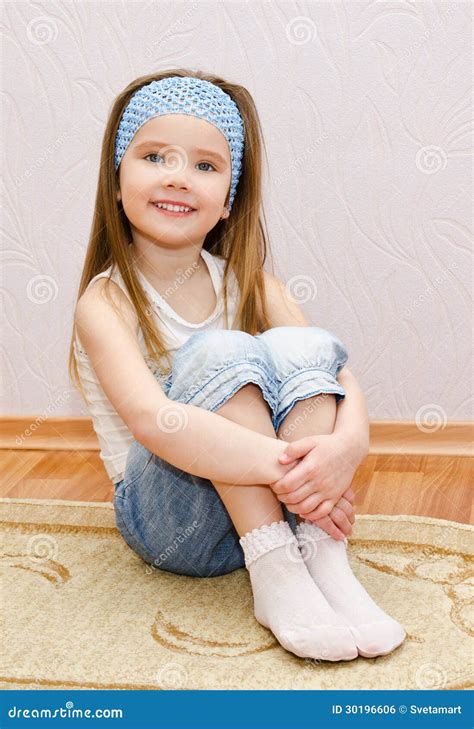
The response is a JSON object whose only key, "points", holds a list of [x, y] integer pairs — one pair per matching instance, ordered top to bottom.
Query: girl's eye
{"points": [[155, 154], [207, 163]]}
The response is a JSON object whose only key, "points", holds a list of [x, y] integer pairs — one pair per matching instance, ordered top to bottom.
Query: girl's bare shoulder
{"points": [[107, 291], [282, 309]]}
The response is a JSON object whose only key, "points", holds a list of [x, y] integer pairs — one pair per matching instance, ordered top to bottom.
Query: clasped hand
{"points": [[318, 486]]}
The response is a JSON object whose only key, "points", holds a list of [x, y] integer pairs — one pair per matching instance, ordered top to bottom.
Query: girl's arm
{"points": [[352, 419], [193, 439], [208, 445]]}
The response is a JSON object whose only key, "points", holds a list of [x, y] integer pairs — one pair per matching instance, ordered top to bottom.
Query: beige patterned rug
{"points": [[82, 610]]}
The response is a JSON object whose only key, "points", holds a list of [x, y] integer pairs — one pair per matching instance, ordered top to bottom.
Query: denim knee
{"points": [[306, 361], [212, 366]]}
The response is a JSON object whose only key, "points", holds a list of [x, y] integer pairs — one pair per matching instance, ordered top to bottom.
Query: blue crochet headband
{"points": [[185, 95]]}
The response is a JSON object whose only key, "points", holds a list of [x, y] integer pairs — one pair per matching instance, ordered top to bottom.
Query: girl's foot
{"points": [[287, 601], [375, 632]]}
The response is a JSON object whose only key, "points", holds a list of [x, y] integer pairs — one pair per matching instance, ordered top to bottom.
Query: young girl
{"points": [[192, 414]]}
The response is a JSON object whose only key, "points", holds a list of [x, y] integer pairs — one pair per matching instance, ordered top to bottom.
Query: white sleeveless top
{"points": [[113, 435]]}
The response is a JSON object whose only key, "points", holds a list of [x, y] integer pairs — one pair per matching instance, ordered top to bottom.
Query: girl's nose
{"points": [[175, 171], [175, 179]]}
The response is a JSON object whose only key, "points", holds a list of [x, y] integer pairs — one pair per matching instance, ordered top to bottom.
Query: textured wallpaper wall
{"points": [[366, 110]]}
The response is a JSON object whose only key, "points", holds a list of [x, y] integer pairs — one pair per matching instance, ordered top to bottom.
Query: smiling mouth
{"points": [[174, 213]]}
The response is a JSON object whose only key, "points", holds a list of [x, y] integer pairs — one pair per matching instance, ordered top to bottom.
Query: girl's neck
{"points": [[163, 265]]}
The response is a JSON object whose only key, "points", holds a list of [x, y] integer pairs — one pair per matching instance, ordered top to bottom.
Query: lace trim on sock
{"points": [[308, 530], [263, 539]]}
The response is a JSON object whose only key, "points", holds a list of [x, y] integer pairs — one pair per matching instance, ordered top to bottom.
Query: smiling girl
{"points": [[197, 369]]}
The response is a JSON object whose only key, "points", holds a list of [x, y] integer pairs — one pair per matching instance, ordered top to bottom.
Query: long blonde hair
{"points": [[240, 239]]}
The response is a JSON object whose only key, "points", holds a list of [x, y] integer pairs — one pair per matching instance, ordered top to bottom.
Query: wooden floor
{"points": [[424, 485]]}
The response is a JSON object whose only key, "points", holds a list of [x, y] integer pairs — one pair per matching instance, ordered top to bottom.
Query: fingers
{"points": [[294, 479], [349, 495], [296, 496], [310, 503], [347, 508], [324, 509], [339, 517], [329, 526]]}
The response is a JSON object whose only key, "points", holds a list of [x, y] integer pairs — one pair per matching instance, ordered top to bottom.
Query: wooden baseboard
{"points": [[386, 436]]}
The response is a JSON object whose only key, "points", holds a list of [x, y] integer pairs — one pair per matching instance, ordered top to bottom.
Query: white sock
{"points": [[286, 600], [375, 632]]}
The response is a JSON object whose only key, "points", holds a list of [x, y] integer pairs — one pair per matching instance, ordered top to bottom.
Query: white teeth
{"points": [[173, 208]]}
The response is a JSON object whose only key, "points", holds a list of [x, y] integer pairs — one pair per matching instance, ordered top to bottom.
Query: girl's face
{"points": [[176, 158]]}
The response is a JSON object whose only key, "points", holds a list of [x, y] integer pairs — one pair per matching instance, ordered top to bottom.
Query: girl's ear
{"points": [[119, 195], [225, 214]]}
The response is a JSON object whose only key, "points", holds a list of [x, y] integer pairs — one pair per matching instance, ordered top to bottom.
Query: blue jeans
{"points": [[176, 521]]}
